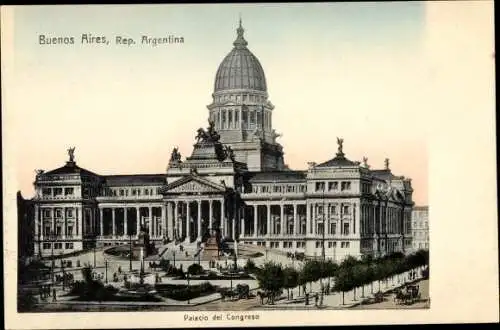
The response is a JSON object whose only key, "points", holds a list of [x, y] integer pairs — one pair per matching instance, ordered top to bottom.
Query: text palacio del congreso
{"points": [[235, 184]]}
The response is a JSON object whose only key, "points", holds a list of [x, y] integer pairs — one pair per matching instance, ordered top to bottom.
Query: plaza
{"points": [[107, 268]]}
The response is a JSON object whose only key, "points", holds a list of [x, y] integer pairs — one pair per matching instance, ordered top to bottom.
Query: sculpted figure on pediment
{"points": [[175, 156]]}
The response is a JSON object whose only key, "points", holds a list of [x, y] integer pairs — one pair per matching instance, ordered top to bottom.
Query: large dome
{"points": [[240, 69]]}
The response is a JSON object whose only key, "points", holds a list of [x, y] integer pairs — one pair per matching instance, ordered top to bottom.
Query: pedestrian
{"points": [[54, 294], [291, 295], [316, 299]]}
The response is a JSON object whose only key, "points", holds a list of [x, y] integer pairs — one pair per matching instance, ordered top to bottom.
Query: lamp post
{"points": [[106, 269]]}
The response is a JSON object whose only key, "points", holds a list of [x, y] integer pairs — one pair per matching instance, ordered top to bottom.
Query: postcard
{"points": [[249, 164]]}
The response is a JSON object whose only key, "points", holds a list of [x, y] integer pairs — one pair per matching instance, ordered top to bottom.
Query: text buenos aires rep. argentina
{"points": [[221, 317]]}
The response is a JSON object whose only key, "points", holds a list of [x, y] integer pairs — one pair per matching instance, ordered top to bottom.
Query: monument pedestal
{"points": [[211, 249]]}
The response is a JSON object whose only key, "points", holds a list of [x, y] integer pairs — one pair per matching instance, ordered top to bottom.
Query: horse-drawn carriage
{"points": [[240, 291], [408, 295]]}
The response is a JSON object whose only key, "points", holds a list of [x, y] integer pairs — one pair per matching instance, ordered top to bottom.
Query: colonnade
{"points": [[119, 221]]}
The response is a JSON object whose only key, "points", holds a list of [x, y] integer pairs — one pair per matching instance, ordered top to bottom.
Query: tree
{"points": [[250, 266], [195, 269], [331, 269], [311, 272], [370, 274], [291, 277], [361, 277], [271, 279], [301, 280], [343, 282]]}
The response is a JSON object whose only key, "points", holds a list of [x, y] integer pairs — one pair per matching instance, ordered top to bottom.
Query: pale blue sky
{"points": [[333, 69]]}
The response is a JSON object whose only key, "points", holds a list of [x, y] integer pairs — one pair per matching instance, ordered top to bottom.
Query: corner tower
{"points": [[241, 110]]}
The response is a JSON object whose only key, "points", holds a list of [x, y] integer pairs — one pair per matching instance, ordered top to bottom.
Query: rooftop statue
{"points": [[210, 135], [276, 135], [340, 142], [229, 153], [71, 154], [175, 156], [365, 162], [386, 163], [38, 172]]}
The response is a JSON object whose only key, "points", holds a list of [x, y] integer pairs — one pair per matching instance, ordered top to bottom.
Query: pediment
{"points": [[193, 184]]}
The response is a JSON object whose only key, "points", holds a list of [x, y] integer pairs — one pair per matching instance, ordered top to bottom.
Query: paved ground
{"points": [[331, 301], [389, 303]]}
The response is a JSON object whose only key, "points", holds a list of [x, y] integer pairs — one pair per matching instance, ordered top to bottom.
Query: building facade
{"points": [[235, 182], [420, 227]]}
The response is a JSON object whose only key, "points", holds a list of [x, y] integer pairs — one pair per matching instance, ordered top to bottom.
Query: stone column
{"points": [[113, 211], [210, 214], [222, 218], [308, 218], [314, 218], [176, 219], [199, 219], [268, 219], [53, 220], [255, 220], [282, 220], [295, 220], [79, 221], [101, 221], [150, 221], [188, 221], [125, 222], [138, 222], [64, 223], [242, 225], [233, 228], [38, 230], [163, 230]]}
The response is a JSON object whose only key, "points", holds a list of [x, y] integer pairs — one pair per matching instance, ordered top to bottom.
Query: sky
{"points": [[350, 70]]}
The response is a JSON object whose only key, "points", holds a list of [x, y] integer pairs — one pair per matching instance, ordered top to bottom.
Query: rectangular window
{"points": [[320, 186], [58, 191], [68, 191], [46, 192], [134, 192], [146, 192], [345, 210], [46, 213], [58, 213], [70, 213], [333, 228], [346, 229], [58, 230], [70, 231], [330, 244], [346, 244], [46, 246], [68, 246]]}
